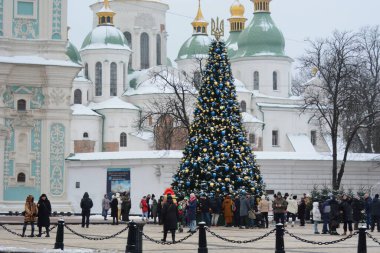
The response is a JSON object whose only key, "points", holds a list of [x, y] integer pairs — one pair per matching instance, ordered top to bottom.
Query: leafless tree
{"points": [[334, 96], [169, 114]]}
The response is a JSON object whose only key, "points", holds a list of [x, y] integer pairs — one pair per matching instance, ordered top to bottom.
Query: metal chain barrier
{"points": [[10, 231], [99, 238], [373, 238], [240, 242], [169, 243], [320, 243]]}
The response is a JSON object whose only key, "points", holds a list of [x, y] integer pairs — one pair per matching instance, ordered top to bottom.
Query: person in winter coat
{"points": [[86, 205], [105, 206], [279, 206], [205, 207], [244, 207], [357, 207], [125, 208], [144, 208], [153, 208], [216, 208], [292, 208], [367, 208], [264, 209], [114, 210], [159, 210], [227, 210], [236, 210], [346, 210], [302, 211], [44, 212], [192, 212], [375, 212], [30, 216], [316, 216], [326, 216], [334, 216], [169, 218]]}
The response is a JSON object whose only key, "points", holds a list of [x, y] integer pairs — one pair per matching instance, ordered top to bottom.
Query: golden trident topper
{"points": [[217, 28]]}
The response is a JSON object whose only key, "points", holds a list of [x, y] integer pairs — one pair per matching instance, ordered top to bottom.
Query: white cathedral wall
{"points": [[244, 68], [89, 124], [280, 173]]}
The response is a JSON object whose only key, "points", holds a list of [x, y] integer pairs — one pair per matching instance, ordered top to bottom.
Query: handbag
{"points": [[251, 214]]}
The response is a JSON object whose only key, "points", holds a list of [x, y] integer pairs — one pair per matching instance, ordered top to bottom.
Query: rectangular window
{"points": [[25, 8], [313, 137], [274, 138], [77, 185]]}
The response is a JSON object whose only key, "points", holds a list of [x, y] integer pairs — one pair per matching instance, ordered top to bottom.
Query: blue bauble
{"points": [[217, 50], [221, 86], [217, 92], [213, 113], [223, 132], [241, 138], [206, 140], [215, 143], [225, 144], [196, 147], [207, 159], [187, 162], [195, 164], [216, 168], [226, 169], [214, 175], [239, 179], [187, 183], [223, 188]]}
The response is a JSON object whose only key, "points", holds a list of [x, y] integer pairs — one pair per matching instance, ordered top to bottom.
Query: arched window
{"points": [[108, 19], [103, 20], [203, 30], [128, 36], [158, 49], [144, 50], [86, 70], [98, 79], [197, 79], [256, 80], [275, 80], [113, 83], [77, 96], [21, 105], [243, 106], [85, 135], [123, 139], [21, 178]]}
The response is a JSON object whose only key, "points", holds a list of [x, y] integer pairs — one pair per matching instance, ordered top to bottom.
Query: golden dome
{"points": [[237, 9]]}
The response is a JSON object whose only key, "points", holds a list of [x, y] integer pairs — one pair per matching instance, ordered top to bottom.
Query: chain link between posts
{"points": [[19, 234], [99, 238], [373, 238], [238, 241], [169, 243], [320, 243]]}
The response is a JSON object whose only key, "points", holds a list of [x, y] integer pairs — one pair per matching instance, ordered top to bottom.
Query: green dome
{"points": [[105, 36], [261, 37], [232, 43], [196, 46], [72, 53]]}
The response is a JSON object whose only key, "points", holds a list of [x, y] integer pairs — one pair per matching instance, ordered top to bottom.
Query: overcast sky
{"points": [[297, 19]]}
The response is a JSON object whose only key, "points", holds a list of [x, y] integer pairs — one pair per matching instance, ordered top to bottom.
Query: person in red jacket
{"points": [[144, 208]]}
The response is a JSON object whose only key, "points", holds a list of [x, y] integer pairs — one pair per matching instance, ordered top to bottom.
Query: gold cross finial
{"points": [[106, 3], [217, 28]]}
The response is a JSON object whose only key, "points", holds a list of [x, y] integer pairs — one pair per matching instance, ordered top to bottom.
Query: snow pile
{"points": [[113, 103]]}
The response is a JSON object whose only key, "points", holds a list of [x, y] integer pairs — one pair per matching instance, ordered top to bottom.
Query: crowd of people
{"points": [[242, 210]]}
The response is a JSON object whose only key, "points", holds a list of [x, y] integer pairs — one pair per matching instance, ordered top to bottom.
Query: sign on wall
{"points": [[118, 180]]}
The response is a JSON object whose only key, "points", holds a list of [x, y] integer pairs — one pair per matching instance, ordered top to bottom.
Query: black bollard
{"points": [[59, 238], [132, 238], [202, 238], [134, 242], [362, 245], [280, 247]]}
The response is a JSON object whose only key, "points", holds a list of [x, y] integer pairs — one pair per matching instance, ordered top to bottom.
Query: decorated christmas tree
{"points": [[217, 157]]}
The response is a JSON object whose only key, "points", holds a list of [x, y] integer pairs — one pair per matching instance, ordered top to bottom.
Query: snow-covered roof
{"points": [[36, 60], [143, 81], [240, 87], [261, 95], [113, 103], [272, 105], [81, 110], [249, 118], [144, 135], [301, 143], [177, 154]]}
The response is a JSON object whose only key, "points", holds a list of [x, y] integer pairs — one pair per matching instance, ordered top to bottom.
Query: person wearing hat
{"points": [[279, 206], [44, 212], [169, 218]]}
